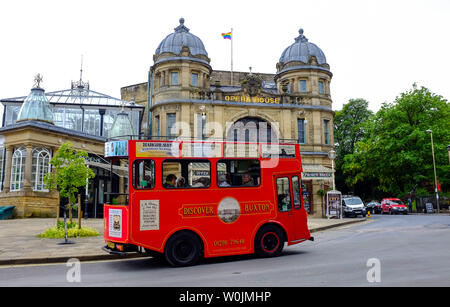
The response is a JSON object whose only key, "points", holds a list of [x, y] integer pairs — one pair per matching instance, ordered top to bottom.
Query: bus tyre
{"points": [[269, 241], [183, 249]]}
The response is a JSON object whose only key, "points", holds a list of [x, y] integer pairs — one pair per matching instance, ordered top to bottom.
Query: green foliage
{"points": [[349, 125], [349, 130], [396, 149], [70, 171], [321, 192], [72, 231]]}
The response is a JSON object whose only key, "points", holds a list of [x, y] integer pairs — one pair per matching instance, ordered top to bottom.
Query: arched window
{"points": [[41, 167], [18, 168]]}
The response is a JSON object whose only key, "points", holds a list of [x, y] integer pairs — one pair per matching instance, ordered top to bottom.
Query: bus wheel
{"points": [[269, 241], [183, 249]]}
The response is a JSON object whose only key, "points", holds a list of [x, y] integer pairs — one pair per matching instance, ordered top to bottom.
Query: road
{"points": [[411, 250]]}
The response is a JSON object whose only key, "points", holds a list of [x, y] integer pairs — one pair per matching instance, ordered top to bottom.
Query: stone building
{"points": [[185, 98], [33, 129]]}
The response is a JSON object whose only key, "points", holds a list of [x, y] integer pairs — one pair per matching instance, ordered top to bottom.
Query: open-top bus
{"points": [[188, 200]]}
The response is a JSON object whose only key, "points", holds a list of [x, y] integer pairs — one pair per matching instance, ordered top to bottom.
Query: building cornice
{"points": [[303, 67], [247, 104], [49, 127]]}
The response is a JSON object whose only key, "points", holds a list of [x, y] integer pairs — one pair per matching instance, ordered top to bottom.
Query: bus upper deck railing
{"points": [[196, 139], [191, 147]]}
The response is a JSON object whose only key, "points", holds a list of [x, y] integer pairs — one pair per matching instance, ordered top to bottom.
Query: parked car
{"points": [[353, 206], [393, 206], [373, 207]]}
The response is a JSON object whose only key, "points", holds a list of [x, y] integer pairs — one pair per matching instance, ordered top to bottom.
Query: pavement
{"points": [[20, 244]]}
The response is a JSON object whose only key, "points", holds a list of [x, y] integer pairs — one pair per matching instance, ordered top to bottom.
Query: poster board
{"points": [[334, 204]]}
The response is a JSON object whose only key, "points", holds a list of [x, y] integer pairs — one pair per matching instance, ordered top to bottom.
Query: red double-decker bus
{"points": [[188, 200]]}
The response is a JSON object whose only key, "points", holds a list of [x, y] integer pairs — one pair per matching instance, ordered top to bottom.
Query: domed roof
{"points": [[174, 42], [302, 50], [36, 106], [122, 128]]}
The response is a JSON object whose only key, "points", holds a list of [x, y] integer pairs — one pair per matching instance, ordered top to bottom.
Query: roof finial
{"points": [[181, 27], [302, 38], [81, 69], [37, 80]]}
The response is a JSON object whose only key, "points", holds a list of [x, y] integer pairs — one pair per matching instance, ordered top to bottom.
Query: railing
{"points": [[195, 139], [119, 199]]}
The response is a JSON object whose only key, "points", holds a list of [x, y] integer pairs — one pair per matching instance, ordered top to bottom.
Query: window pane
{"points": [[174, 78], [194, 79], [303, 86], [321, 91], [11, 114], [73, 119], [171, 121], [92, 122], [157, 125], [301, 130], [326, 131], [18, 168], [40, 168], [238, 173], [143, 174], [186, 174], [296, 192], [283, 194]]}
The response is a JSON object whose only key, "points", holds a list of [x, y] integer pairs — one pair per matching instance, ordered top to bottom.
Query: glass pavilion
{"points": [[33, 128]]}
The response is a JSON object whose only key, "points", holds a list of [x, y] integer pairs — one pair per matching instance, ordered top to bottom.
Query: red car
{"points": [[393, 206]]}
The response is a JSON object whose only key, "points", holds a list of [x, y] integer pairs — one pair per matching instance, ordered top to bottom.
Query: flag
{"points": [[226, 35]]}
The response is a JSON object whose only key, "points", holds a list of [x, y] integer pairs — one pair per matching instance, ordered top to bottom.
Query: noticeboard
{"points": [[116, 149], [157, 149], [334, 204], [429, 208]]}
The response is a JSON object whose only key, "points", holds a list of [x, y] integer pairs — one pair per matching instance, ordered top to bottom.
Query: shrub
{"points": [[72, 231]]}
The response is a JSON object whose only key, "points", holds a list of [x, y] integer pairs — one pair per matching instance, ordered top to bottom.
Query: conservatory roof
{"points": [[82, 96]]}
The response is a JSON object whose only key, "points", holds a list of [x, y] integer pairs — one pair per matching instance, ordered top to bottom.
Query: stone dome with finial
{"points": [[174, 42], [301, 51], [36, 106]]}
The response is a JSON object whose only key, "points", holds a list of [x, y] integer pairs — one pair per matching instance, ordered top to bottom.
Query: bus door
{"points": [[290, 206]]}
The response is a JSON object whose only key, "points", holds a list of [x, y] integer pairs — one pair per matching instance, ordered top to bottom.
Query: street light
{"points": [[332, 156], [434, 167]]}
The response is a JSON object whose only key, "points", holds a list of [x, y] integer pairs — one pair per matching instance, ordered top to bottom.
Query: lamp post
{"points": [[332, 156], [434, 167]]}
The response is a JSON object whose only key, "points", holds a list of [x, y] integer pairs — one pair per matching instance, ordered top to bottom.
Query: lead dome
{"points": [[174, 42], [301, 51]]}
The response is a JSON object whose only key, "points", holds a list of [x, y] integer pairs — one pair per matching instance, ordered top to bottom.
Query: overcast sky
{"points": [[376, 49]]}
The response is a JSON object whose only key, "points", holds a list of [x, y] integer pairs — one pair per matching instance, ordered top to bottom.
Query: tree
{"points": [[349, 130], [396, 150], [70, 173]]}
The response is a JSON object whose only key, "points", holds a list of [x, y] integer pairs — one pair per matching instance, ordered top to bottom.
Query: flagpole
{"points": [[231, 57]]}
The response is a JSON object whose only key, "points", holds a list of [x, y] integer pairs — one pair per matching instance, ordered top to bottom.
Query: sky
{"points": [[376, 49]]}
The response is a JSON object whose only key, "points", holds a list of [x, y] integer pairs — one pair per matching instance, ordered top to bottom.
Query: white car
{"points": [[353, 206]]}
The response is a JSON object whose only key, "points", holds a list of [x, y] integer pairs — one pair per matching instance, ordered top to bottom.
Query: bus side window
{"points": [[238, 173], [143, 174], [186, 174], [296, 192], [283, 194]]}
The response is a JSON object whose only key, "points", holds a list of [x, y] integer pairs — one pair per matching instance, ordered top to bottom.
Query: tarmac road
{"points": [[411, 250]]}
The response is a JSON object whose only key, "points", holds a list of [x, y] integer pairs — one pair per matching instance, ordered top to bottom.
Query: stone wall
{"points": [[31, 204]]}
